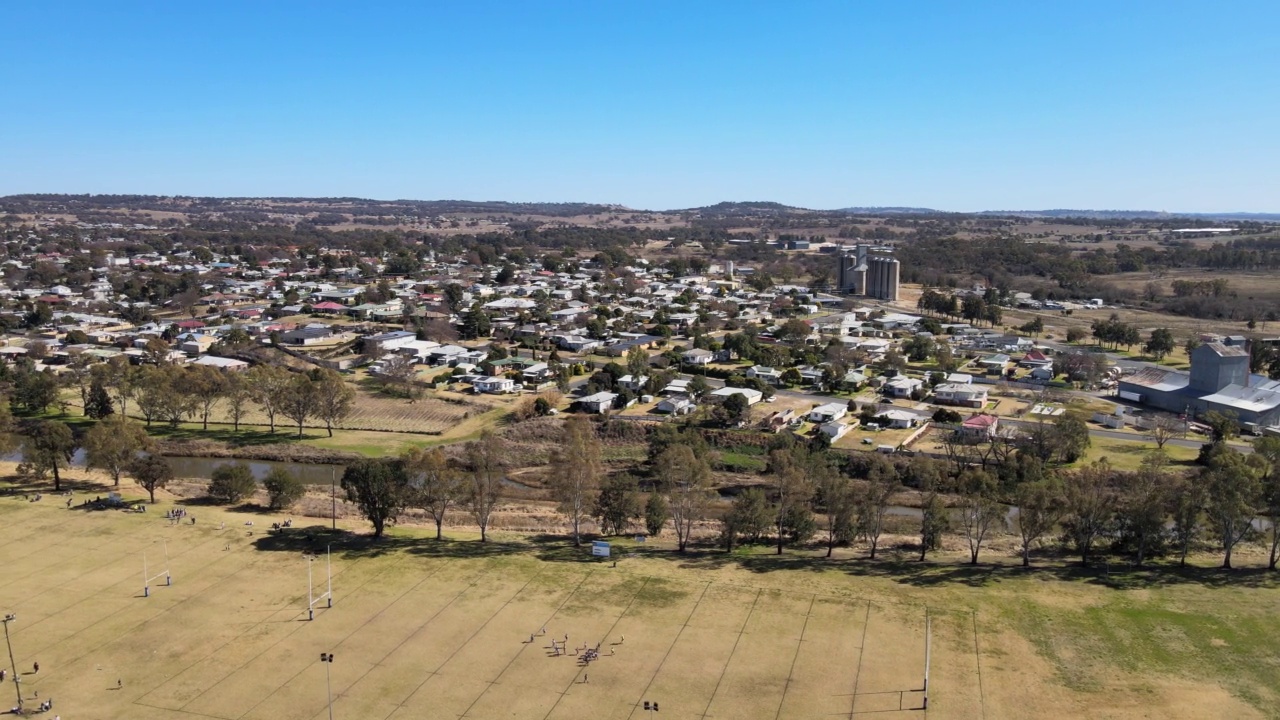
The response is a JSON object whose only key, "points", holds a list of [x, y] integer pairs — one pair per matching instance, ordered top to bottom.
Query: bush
{"points": [[232, 483], [283, 489]]}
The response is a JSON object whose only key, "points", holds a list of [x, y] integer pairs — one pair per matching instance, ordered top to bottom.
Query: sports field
{"points": [[426, 629], [420, 630]]}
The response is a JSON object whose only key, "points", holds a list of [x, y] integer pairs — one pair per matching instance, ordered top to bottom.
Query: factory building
{"points": [[868, 270], [1219, 380]]}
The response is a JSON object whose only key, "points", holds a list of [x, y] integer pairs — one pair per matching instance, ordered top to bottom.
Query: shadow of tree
{"points": [[893, 565]]}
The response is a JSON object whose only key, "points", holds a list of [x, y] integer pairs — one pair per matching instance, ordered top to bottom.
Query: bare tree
{"points": [[1164, 428], [486, 457], [575, 472]]}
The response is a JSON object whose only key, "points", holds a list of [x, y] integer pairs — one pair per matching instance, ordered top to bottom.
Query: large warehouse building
{"points": [[868, 270], [1219, 380]]}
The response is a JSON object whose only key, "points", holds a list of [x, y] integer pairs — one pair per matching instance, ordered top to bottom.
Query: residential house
{"points": [[309, 335], [377, 345], [697, 356], [222, 363], [995, 363], [537, 373], [766, 374], [633, 383], [494, 385], [902, 386], [962, 394], [752, 396], [599, 403], [677, 405], [828, 412], [898, 418], [979, 428], [834, 430]]}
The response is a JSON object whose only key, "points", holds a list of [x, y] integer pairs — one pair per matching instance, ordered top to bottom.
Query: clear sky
{"points": [[1160, 105]]}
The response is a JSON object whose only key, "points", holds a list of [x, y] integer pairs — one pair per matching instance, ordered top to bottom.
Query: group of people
{"points": [[176, 515], [586, 654]]}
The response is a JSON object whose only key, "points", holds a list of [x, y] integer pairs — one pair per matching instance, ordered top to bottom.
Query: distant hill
{"points": [[745, 208], [890, 211], [1134, 215]]}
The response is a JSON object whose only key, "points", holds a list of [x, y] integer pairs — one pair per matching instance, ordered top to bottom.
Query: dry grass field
{"points": [[429, 415], [422, 628]]}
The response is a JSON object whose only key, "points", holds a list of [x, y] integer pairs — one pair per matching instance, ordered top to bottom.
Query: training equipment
{"points": [[146, 579], [312, 599]]}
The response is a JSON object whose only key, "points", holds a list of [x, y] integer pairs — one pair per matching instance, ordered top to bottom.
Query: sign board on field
{"points": [[640, 538], [600, 548]]}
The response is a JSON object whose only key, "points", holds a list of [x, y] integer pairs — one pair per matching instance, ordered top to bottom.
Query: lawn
{"points": [[1128, 454]]}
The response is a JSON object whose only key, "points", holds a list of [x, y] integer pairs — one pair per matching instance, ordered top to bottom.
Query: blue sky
{"points": [[954, 105]]}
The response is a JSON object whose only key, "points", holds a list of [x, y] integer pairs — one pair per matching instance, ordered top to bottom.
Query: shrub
{"points": [[232, 483], [283, 489]]}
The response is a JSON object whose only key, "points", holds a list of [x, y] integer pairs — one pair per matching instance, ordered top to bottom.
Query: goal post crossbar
{"points": [[147, 578], [327, 595]]}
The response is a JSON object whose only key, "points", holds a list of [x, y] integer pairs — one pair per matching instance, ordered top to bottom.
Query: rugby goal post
{"points": [[147, 577], [327, 595]]}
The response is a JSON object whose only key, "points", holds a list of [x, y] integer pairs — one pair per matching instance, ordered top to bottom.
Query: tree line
{"points": [[810, 495]]}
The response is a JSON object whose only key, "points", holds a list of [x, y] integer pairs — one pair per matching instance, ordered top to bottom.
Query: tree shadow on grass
{"points": [[243, 438], [316, 538], [892, 566]]}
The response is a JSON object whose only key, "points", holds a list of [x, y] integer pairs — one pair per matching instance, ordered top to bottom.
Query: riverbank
{"points": [[276, 452]]}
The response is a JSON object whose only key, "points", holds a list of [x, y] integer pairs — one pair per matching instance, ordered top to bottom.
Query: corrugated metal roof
{"points": [[1158, 379]]}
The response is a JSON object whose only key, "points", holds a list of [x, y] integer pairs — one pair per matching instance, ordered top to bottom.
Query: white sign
{"points": [[600, 549]]}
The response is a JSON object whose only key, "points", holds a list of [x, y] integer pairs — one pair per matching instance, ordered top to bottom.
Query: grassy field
{"points": [[442, 630]]}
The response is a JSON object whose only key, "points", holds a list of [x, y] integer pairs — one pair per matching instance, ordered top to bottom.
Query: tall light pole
{"points": [[333, 496], [327, 659], [17, 686]]}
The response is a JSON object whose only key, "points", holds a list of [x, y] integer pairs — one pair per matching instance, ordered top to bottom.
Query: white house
{"points": [[697, 356], [767, 374], [633, 383], [494, 385], [902, 386], [962, 394], [752, 396], [598, 403], [674, 405], [828, 413], [897, 418], [834, 429]]}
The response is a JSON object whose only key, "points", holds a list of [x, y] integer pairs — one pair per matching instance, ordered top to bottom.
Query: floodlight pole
{"points": [[333, 496], [328, 571], [311, 613], [327, 659], [17, 685]]}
